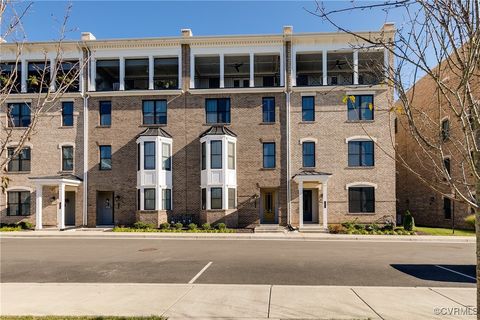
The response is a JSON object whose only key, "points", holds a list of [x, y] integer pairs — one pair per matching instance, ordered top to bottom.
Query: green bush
{"points": [[470, 220], [408, 222], [349, 224], [25, 225], [143, 225], [165, 226], [178, 226], [192, 226], [206, 226], [221, 226], [359, 226]]}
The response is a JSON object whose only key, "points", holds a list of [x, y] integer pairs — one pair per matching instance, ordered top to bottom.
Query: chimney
{"points": [[388, 27], [287, 30], [186, 33], [86, 36], [2, 40]]}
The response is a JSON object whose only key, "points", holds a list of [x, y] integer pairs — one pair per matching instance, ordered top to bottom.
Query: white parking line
{"points": [[200, 273], [462, 274]]}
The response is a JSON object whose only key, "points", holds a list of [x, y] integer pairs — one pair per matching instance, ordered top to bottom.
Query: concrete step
{"points": [[269, 228]]}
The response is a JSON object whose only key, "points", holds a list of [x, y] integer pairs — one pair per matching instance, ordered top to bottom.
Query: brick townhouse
{"points": [[248, 130]]}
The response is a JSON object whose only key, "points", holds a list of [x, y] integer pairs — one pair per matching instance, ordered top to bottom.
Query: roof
{"points": [[218, 130], [154, 131], [311, 173], [66, 176]]}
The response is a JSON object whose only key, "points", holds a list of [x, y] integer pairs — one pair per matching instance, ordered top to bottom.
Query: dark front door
{"points": [[307, 205], [70, 208], [104, 208]]}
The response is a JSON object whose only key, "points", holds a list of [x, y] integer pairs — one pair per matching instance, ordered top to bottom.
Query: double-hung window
{"points": [[268, 108], [308, 108], [360, 108], [217, 110], [154, 112], [105, 113], [19, 114], [67, 114], [445, 129], [308, 152], [216, 154], [361, 154], [149, 155], [204, 155], [231, 155], [269, 155], [105, 157], [166, 157], [67, 158], [21, 162], [216, 198], [149, 199], [167, 199], [361, 199], [18, 203]]}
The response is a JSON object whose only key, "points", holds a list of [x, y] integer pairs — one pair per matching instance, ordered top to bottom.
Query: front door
{"points": [[307, 205], [268, 207], [69, 208], [104, 208]]}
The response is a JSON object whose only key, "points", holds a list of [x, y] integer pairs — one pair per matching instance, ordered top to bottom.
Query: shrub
{"points": [[470, 220], [408, 222], [349, 224], [25, 225], [143, 225], [178, 225], [165, 226], [192, 226], [206, 226], [221, 226], [388, 226], [372, 227], [336, 228]]}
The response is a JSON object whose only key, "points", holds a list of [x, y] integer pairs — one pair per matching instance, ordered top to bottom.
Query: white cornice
{"points": [[130, 93]]}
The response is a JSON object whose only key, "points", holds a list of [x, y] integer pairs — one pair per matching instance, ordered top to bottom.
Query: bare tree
{"points": [[438, 43], [47, 82]]}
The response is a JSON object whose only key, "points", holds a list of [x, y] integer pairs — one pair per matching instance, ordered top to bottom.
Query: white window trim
{"points": [[360, 138], [308, 139], [66, 144], [361, 184], [19, 188]]}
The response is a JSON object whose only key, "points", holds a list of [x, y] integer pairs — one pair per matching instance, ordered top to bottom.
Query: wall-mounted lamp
{"points": [[255, 198], [117, 201]]}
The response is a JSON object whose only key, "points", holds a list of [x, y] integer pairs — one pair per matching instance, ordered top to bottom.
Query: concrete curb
{"points": [[107, 234]]}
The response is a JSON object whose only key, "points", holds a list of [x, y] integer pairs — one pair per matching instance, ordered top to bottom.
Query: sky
{"points": [[125, 19]]}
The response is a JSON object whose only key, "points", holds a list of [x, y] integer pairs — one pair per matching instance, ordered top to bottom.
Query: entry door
{"points": [[307, 205], [268, 207], [70, 208], [104, 208]]}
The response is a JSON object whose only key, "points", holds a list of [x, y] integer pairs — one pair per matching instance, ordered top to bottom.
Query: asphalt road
{"points": [[340, 263]]}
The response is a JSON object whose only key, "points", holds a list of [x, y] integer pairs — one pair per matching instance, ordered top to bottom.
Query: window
{"points": [[165, 73], [136, 74], [107, 75], [11, 76], [38, 77], [268, 105], [308, 108], [361, 108], [217, 110], [155, 112], [105, 113], [19, 114], [67, 114], [445, 129], [216, 154], [308, 154], [360, 154], [149, 155], [204, 155], [231, 155], [269, 155], [105, 157], [138, 157], [166, 157], [67, 158], [21, 162], [446, 164], [216, 198], [231, 198], [149, 199], [167, 199], [204, 199], [361, 199], [18, 203], [447, 208]]}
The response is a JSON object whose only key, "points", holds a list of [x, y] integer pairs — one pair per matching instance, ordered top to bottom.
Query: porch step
{"points": [[269, 228], [312, 229]]}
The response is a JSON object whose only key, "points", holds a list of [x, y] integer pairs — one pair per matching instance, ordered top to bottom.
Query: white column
{"points": [[386, 63], [81, 65], [355, 66], [324, 67], [282, 69], [252, 70], [192, 71], [222, 71], [150, 72], [24, 73], [93, 73], [122, 73], [53, 74], [180, 76], [61, 197], [158, 198], [142, 199], [300, 203], [208, 204], [38, 207], [325, 210]]}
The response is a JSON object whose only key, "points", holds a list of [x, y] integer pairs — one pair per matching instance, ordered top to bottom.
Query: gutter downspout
{"points": [[85, 97], [289, 196]]}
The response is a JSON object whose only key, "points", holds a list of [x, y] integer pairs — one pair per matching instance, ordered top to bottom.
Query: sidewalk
{"points": [[107, 234], [180, 301]]}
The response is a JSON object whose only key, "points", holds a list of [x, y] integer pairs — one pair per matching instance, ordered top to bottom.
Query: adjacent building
{"points": [[279, 129]]}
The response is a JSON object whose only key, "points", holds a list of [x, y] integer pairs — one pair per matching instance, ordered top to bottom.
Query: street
{"points": [[272, 262]]}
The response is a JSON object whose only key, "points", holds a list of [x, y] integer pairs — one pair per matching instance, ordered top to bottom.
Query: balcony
{"points": [[340, 68], [371, 68], [309, 69], [267, 70], [237, 71], [207, 72], [165, 73], [136, 74], [68, 75], [107, 75], [10, 77], [38, 77]]}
